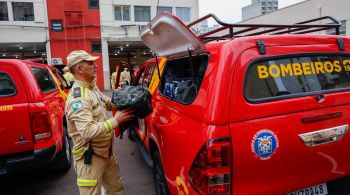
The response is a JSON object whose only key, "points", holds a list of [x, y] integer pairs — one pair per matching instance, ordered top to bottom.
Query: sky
{"points": [[231, 10]]}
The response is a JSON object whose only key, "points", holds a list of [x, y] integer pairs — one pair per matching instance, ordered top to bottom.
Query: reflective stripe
{"points": [[155, 78], [84, 89], [86, 92], [110, 124], [106, 126], [103, 138], [78, 152], [78, 155], [86, 182]]}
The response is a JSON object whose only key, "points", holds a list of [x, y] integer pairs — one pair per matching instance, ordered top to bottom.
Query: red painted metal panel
{"points": [[81, 26], [15, 132]]}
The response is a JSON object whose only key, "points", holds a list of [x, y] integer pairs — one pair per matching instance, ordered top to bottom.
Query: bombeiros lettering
{"points": [[303, 68]]}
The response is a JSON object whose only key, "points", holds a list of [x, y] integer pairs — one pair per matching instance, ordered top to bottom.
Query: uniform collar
{"points": [[86, 84]]}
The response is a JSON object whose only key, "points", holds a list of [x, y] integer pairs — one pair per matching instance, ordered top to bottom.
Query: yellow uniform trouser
{"points": [[101, 171]]}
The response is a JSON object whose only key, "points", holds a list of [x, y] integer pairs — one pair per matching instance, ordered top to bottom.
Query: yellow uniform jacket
{"points": [[86, 112]]}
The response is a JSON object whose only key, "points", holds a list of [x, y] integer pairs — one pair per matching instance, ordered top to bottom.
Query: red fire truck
{"points": [[247, 108], [33, 128]]}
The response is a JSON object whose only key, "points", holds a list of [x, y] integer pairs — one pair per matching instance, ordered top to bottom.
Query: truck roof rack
{"points": [[242, 30]]}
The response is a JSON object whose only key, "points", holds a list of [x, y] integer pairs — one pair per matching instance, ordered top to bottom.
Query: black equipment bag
{"points": [[137, 98]]}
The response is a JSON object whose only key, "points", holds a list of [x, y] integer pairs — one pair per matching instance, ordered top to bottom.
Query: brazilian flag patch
{"points": [[77, 105]]}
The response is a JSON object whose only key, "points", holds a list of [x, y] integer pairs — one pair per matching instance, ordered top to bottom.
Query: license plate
{"points": [[320, 189]]}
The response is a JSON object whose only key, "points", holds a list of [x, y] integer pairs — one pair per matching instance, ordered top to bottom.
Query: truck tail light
{"points": [[40, 124], [211, 170]]}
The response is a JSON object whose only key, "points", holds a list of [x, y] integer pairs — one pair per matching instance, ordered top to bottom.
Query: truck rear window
{"points": [[292, 76], [182, 78], [44, 79], [7, 87]]}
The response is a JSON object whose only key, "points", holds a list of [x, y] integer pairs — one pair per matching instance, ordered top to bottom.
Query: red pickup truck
{"points": [[247, 108], [33, 127]]}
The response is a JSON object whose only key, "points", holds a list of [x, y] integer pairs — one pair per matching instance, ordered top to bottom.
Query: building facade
{"points": [[259, 7], [307, 10], [122, 22], [75, 25], [23, 29], [51, 29]]}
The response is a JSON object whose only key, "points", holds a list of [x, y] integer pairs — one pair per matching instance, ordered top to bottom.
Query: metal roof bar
{"points": [[277, 28], [314, 30]]}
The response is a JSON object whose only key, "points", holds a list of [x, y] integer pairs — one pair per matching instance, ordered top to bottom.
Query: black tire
{"points": [[63, 160], [160, 184]]}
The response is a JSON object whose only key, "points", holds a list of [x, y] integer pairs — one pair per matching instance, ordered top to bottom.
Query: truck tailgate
{"points": [[15, 132], [270, 157]]}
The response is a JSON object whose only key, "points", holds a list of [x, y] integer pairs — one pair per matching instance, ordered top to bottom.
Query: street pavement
{"points": [[137, 177]]}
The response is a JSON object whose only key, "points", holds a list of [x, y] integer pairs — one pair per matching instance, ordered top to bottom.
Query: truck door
{"points": [[143, 78], [293, 119], [15, 131]]}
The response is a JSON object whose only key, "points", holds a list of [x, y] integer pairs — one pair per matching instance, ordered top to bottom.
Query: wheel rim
{"points": [[66, 143]]}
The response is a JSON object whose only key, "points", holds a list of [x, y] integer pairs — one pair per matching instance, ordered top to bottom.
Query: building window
{"points": [[94, 4], [164, 9], [3, 11], [23, 11], [122, 12], [142, 13], [183, 13], [56, 26], [342, 29], [96, 47]]}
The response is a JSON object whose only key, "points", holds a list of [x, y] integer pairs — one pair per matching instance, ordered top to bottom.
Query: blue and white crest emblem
{"points": [[264, 144]]}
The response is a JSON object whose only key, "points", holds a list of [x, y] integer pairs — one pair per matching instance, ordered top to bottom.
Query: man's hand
{"points": [[124, 115]]}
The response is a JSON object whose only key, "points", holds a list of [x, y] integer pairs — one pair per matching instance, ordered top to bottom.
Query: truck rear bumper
{"points": [[27, 160]]}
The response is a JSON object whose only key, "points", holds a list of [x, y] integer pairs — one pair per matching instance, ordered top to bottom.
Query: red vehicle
{"points": [[247, 109], [33, 127]]}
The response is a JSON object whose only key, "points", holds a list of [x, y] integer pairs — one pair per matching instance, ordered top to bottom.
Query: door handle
{"points": [[321, 117], [324, 136]]}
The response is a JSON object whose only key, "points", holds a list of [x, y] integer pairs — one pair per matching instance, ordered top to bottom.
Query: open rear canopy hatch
{"points": [[168, 37]]}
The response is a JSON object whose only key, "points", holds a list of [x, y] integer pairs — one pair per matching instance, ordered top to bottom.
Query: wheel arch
{"points": [[153, 147]]}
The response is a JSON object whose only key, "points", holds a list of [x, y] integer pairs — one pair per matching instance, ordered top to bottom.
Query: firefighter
{"points": [[68, 75], [125, 77], [114, 78], [90, 129]]}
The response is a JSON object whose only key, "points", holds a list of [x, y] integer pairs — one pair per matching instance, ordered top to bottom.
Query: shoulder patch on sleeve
{"points": [[77, 92], [77, 105]]}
